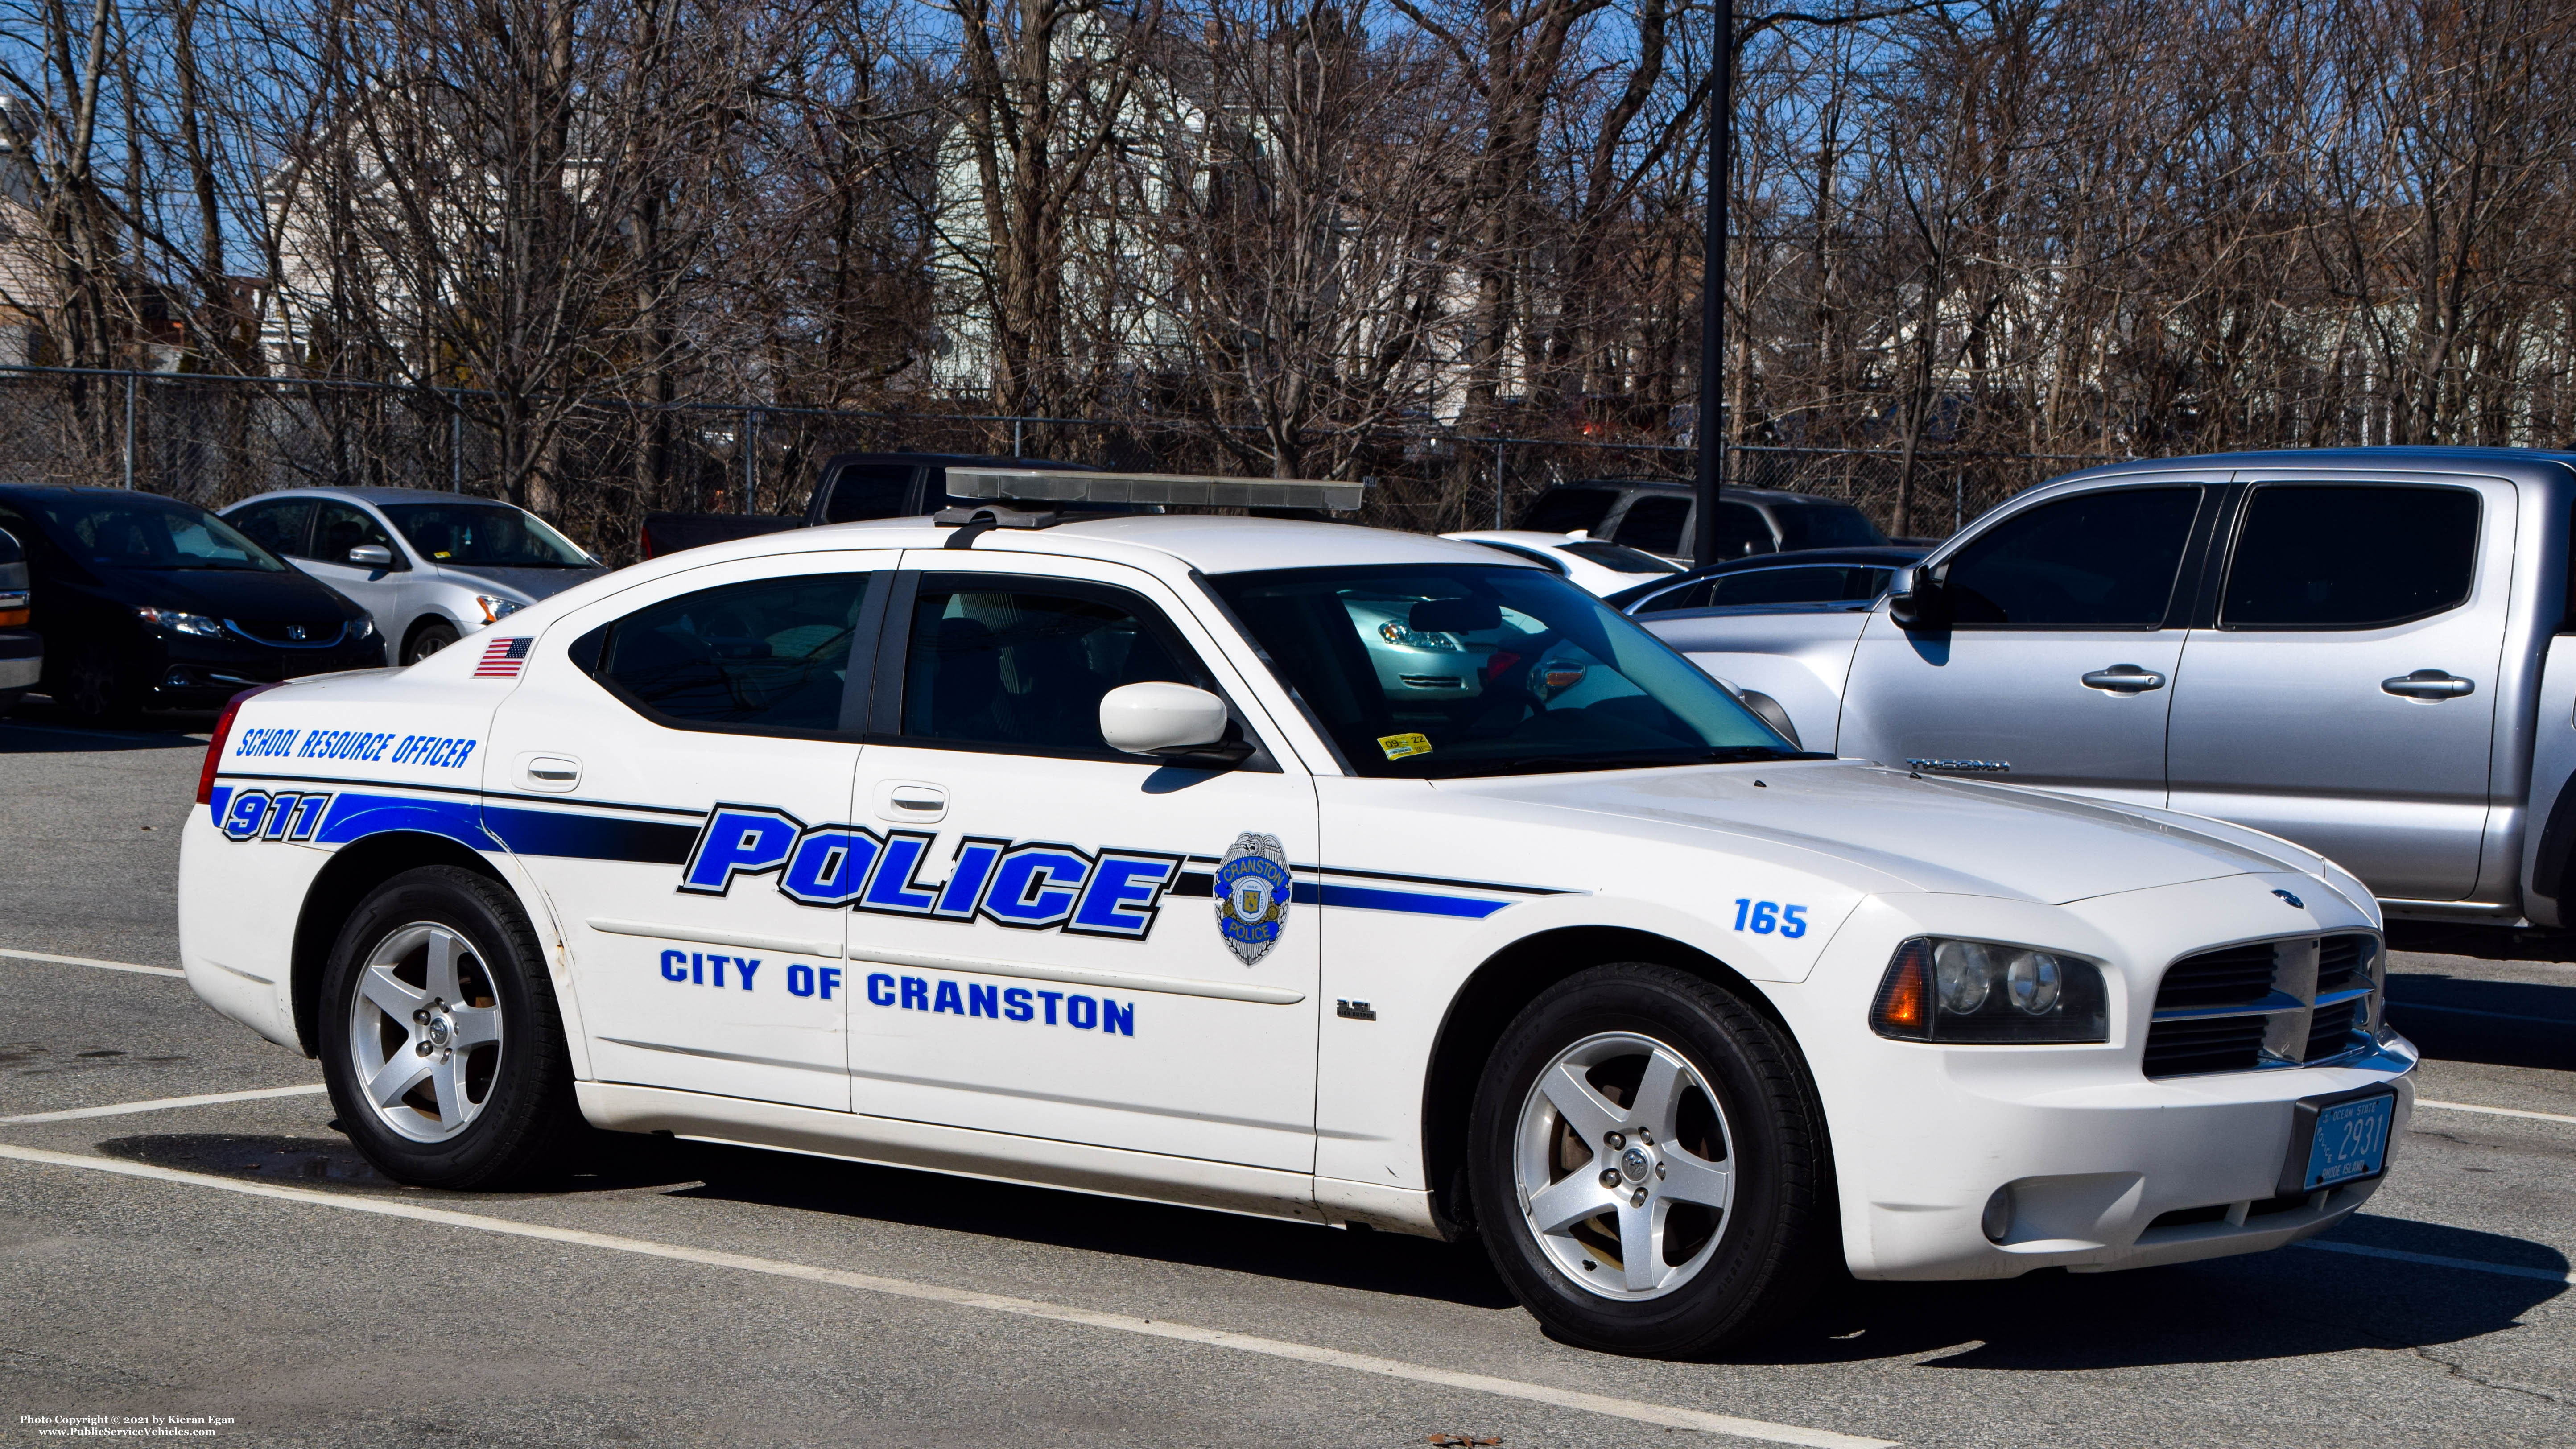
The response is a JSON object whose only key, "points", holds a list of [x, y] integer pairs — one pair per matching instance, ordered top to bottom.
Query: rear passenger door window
{"points": [[279, 527], [2335, 557], [764, 656]]}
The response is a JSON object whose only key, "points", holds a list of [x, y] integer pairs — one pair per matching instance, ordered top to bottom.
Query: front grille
{"points": [[280, 633], [2343, 962], [2237, 976], [2215, 1010], [2331, 1032], [2204, 1044]]}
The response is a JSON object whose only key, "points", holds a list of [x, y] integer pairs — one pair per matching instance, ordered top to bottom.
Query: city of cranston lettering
{"points": [[1024, 885]]}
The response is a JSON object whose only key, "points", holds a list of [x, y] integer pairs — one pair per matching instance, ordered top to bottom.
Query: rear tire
{"points": [[426, 640], [99, 688], [442, 958], [1718, 1224]]}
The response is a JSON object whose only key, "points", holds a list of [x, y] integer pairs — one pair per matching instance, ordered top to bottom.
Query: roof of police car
{"points": [[1212, 545]]}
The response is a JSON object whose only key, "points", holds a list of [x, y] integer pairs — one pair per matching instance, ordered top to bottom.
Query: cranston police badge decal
{"points": [[1252, 890]]}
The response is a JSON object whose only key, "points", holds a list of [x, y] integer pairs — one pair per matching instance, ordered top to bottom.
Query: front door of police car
{"points": [[656, 777], [1039, 949]]}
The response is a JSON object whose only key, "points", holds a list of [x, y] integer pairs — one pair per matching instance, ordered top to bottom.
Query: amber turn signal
{"points": [[1904, 1005]]}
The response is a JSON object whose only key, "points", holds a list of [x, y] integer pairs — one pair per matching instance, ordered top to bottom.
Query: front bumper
{"points": [[22, 658], [189, 672], [2106, 1167]]}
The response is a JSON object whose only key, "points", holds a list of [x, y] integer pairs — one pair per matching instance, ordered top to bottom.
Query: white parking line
{"points": [[85, 961], [119, 1109], [2497, 1111], [2471, 1265], [1665, 1415]]}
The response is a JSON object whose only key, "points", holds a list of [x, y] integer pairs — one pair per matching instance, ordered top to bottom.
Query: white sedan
{"points": [[1601, 568], [1099, 853]]}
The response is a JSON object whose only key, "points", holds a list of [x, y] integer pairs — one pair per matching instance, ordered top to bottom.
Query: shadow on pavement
{"points": [[36, 727], [2486, 943], [2500, 1023], [333, 1160], [1371, 1262], [2290, 1303]]}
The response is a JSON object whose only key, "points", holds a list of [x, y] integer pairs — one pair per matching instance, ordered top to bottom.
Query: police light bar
{"points": [[1032, 485]]}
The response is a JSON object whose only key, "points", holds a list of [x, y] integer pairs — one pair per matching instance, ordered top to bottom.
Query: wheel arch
{"points": [[428, 617], [354, 870], [1484, 1006]]}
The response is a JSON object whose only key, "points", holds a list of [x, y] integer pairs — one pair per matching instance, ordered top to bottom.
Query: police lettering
{"points": [[1024, 885]]}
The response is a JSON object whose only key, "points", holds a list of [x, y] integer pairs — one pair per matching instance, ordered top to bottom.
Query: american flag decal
{"points": [[502, 659]]}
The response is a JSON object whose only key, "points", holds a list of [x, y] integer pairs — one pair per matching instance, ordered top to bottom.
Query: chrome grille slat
{"points": [[2294, 1001]]}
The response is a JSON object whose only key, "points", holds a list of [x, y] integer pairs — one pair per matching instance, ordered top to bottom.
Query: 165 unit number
{"points": [[1764, 917]]}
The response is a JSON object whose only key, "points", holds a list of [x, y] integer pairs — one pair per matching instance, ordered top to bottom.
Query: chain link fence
{"points": [[214, 440]]}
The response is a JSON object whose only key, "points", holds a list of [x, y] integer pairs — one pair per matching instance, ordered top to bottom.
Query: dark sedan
{"points": [[1830, 577], [150, 603]]}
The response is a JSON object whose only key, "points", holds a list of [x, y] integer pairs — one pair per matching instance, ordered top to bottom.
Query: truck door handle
{"points": [[2124, 679], [2429, 684]]}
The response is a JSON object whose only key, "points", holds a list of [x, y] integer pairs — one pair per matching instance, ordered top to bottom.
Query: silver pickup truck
{"points": [[2369, 651]]}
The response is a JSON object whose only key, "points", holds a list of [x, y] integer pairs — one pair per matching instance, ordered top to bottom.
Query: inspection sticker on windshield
{"points": [[1399, 747]]}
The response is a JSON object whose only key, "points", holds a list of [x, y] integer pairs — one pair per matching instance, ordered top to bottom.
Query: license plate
{"points": [[2350, 1142]]}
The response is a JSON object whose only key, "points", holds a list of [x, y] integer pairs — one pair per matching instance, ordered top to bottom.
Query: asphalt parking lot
{"points": [[235, 1261]]}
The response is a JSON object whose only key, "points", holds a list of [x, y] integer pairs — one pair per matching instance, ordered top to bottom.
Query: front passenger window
{"points": [[340, 528], [2097, 560], [771, 654], [996, 663]]}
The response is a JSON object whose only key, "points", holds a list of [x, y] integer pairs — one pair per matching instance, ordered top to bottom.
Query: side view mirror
{"points": [[371, 556], [1919, 599], [1176, 722]]}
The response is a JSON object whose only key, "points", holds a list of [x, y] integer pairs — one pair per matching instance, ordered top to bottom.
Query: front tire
{"points": [[426, 640], [99, 687], [441, 1042], [1647, 1163]]}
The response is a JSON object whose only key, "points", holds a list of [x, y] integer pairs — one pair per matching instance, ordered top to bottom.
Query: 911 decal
{"points": [[263, 815], [1025, 885]]}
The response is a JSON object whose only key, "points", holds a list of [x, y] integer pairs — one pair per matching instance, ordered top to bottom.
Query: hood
{"points": [[529, 584], [291, 596], [1949, 836]]}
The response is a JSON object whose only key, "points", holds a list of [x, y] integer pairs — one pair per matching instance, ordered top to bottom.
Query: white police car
{"points": [[1102, 854]]}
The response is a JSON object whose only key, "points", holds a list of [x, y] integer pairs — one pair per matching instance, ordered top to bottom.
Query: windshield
{"points": [[1825, 525], [118, 529], [493, 535], [1622, 558], [1443, 670]]}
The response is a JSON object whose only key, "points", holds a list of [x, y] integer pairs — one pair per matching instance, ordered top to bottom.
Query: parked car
{"points": [[848, 487], [1657, 515], [429, 567], [1598, 568], [1824, 578], [150, 603], [2362, 650], [22, 651]]}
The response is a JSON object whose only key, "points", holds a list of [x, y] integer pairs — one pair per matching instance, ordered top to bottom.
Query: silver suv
{"points": [[428, 567], [2368, 651]]}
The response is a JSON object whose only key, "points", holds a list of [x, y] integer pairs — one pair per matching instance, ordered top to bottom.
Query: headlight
{"points": [[496, 608], [179, 623], [361, 629], [1407, 638], [1983, 991]]}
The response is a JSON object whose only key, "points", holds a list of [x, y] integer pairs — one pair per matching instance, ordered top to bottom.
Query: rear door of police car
{"points": [[669, 749], [1041, 950]]}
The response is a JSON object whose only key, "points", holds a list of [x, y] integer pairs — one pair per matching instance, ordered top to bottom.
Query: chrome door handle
{"points": [[2124, 679], [2429, 684]]}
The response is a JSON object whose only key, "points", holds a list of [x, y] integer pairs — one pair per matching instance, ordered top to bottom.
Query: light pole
{"points": [[1709, 430]]}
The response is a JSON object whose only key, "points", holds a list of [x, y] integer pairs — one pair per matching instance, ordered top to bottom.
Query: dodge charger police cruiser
{"points": [[1283, 868]]}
